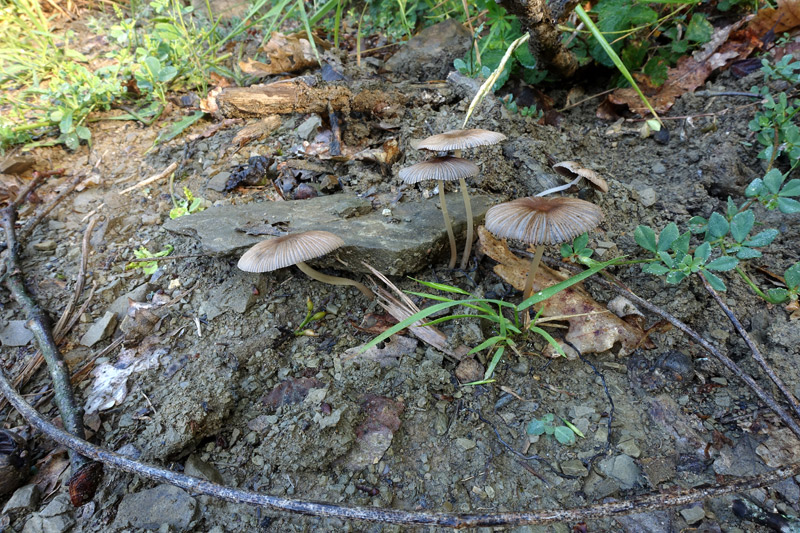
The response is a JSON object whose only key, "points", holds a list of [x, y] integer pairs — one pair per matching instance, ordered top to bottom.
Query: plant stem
{"points": [[448, 225], [334, 280], [752, 285]]}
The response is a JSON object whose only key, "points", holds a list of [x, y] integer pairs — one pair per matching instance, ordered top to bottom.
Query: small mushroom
{"points": [[458, 140], [443, 169], [574, 171], [542, 221], [295, 249]]}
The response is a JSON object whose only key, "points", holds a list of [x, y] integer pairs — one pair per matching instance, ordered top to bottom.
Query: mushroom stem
{"points": [[560, 187], [468, 208], [448, 225], [537, 258], [334, 280]]}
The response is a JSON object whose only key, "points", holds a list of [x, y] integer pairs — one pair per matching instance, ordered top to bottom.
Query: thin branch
{"points": [[161, 175], [60, 330], [753, 348], [763, 395], [194, 485]]}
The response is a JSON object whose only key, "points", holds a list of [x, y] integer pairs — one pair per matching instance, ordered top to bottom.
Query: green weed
{"points": [[148, 267], [564, 434]]}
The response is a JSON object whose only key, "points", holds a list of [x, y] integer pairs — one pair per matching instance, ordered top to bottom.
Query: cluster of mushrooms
{"points": [[538, 220]]}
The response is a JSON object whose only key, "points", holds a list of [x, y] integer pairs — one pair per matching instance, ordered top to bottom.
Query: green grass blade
{"points": [[324, 10], [589, 23], [307, 25], [442, 287], [558, 287], [549, 339], [491, 341], [493, 363]]}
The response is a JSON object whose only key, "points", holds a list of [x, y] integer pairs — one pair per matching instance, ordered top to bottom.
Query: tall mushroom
{"points": [[458, 140], [442, 169], [542, 221], [295, 249]]}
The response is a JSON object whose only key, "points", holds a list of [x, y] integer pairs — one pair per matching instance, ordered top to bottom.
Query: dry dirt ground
{"points": [[199, 400]]}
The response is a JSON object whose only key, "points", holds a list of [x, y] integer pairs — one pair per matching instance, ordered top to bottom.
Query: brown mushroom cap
{"points": [[460, 140], [439, 168], [572, 170], [538, 220], [288, 250]]}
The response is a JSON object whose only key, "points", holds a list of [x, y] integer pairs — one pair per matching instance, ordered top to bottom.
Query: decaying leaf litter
{"points": [[228, 351]]}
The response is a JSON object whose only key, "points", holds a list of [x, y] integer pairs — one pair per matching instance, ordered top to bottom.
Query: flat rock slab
{"points": [[404, 241]]}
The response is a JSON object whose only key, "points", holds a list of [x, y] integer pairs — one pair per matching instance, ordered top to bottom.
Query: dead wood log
{"points": [[311, 95]]}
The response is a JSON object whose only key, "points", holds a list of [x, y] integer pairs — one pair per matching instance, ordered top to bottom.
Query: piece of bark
{"points": [[540, 20], [309, 94]]}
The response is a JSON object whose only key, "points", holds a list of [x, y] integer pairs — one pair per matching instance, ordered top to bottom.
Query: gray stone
{"points": [[430, 54], [308, 129], [218, 182], [646, 196], [47, 245], [395, 246], [235, 294], [120, 306], [101, 329], [16, 334], [465, 444], [629, 447], [741, 460], [574, 467], [198, 468], [623, 469], [598, 487], [23, 500], [59, 505], [150, 508], [693, 514], [655, 522], [34, 524], [57, 524]]}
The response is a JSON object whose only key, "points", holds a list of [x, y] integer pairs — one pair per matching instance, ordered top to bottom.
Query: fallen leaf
{"points": [[781, 19], [690, 72], [375, 324], [592, 327], [375, 435], [49, 470]]}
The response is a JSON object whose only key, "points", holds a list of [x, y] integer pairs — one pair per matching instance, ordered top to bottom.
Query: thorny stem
{"points": [[448, 225], [470, 229], [334, 280], [39, 324], [753, 348], [194, 485]]}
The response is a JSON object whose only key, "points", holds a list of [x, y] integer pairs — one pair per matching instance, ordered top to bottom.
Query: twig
{"points": [[579, 102], [161, 175], [38, 178], [31, 224], [163, 258], [39, 324], [59, 330], [707, 346], [753, 348], [393, 516]]}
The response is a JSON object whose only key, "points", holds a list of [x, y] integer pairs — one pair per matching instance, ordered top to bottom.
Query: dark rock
{"points": [[430, 54], [304, 191], [394, 248], [469, 370], [290, 391], [15, 461], [196, 467], [150, 508]]}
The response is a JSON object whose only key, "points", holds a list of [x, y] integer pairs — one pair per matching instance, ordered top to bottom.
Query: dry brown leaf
{"points": [[783, 18], [286, 53], [689, 74], [592, 327]]}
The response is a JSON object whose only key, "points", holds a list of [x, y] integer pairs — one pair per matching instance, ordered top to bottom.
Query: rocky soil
{"points": [[212, 382]]}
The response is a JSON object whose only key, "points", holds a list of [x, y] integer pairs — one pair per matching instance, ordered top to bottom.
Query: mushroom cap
{"points": [[460, 140], [439, 168], [571, 169], [543, 220], [288, 250]]}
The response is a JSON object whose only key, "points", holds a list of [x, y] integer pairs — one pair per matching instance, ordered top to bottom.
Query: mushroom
{"points": [[458, 140], [443, 169], [574, 171], [541, 221], [295, 249]]}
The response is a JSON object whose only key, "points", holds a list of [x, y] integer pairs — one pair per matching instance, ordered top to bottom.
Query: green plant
{"points": [[525, 111], [775, 124], [186, 206], [577, 251], [148, 267], [492, 310], [311, 316], [547, 426]]}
